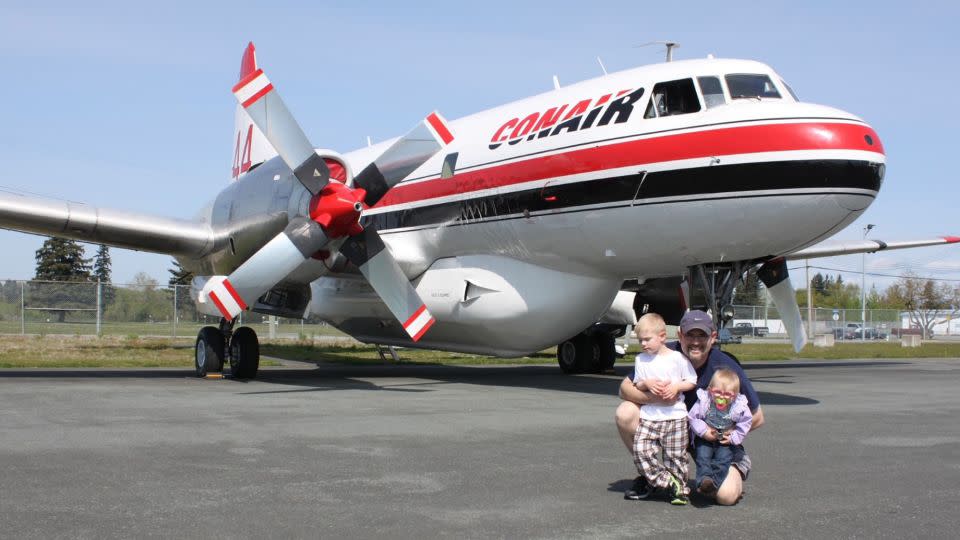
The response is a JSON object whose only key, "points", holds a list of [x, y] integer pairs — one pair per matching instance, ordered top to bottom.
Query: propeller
{"points": [[335, 211], [776, 279]]}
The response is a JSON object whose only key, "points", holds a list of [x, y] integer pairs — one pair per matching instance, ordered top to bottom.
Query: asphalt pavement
{"points": [[863, 448]]}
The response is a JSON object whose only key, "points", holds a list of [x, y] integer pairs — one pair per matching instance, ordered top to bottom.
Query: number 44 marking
{"points": [[241, 159]]}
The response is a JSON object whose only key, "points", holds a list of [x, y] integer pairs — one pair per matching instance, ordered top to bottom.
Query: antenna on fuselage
{"points": [[670, 45], [602, 67], [556, 83]]}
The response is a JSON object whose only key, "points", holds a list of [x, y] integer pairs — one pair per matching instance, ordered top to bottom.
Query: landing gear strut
{"points": [[717, 281], [217, 344]]}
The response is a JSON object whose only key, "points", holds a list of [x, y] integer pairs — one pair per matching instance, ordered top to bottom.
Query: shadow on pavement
{"points": [[345, 377]]}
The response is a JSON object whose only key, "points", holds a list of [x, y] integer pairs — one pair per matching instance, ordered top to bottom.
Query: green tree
{"points": [[62, 260], [102, 273], [181, 278], [749, 292], [141, 302], [928, 304]]}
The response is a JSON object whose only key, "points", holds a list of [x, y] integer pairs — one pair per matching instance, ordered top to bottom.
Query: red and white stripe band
{"points": [[252, 87], [439, 126], [227, 300], [418, 323]]}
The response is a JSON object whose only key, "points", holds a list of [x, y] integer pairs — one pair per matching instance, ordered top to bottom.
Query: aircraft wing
{"points": [[51, 217], [830, 249]]}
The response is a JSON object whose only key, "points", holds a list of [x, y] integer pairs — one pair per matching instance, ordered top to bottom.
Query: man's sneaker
{"points": [[707, 487], [639, 490], [677, 496]]}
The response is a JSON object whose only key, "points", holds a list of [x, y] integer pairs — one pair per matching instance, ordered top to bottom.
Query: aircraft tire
{"points": [[608, 352], [208, 353], [244, 353], [581, 354], [567, 357]]}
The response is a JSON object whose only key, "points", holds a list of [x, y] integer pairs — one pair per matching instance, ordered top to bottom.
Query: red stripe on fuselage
{"points": [[707, 143]]}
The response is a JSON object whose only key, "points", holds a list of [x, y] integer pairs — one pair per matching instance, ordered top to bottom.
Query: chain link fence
{"points": [[90, 308], [842, 323]]}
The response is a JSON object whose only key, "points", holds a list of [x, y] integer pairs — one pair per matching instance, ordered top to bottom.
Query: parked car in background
{"points": [[748, 329], [866, 333], [725, 336]]}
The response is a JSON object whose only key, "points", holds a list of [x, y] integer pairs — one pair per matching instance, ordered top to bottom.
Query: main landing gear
{"points": [[218, 344], [591, 351]]}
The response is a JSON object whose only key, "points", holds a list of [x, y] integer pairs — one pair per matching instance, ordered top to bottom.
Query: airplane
{"points": [[549, 221]]}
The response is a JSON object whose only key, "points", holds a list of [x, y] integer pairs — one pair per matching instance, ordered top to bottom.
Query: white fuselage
{"points": [[522, 231]]}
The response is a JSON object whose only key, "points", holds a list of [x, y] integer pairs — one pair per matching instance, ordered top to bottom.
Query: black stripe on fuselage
{"points": [[737, 179]]}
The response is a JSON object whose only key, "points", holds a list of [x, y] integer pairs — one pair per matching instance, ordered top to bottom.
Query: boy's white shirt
{"points": [[672, 366]]}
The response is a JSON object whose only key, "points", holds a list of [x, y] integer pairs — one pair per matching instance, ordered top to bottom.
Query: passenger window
{"points": [[745, 86], [712, 91], [673, 97]]}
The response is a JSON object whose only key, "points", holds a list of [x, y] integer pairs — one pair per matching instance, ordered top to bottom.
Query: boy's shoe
{"points": [[707, 487], [639, 490], [678, 497]]}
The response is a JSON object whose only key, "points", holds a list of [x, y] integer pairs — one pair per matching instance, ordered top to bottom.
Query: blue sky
{"points": [[128, 106]]}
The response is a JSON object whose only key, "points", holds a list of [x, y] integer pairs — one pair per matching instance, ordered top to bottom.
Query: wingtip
{"points": [[248, 64], [952, 239]]}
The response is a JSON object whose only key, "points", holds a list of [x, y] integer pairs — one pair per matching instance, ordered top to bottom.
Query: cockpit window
{"points": [[751, 86], [711, 90], [789, 90], [673, 97]]}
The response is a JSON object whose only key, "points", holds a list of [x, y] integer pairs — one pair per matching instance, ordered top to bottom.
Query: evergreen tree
{"points": [[62, 260], [102, 264], [102, 272], [178, 275], [818, 284], [748, 293]]}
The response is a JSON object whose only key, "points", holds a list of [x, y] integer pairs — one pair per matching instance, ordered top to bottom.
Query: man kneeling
{"points": [[696, 335]]}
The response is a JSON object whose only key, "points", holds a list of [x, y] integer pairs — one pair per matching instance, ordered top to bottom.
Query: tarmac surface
{"points": [[867, 448]]}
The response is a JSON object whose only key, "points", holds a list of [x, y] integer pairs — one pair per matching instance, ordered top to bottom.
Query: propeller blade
{"points": [[262, 102], [403, 157], [368, 252], [267, 267], [774, 276]]}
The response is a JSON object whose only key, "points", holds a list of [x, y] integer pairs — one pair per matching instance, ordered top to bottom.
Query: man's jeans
{"points": [[713, 459]]}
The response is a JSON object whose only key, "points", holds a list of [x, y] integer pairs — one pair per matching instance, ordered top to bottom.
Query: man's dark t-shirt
{"points": [[716, 360]]}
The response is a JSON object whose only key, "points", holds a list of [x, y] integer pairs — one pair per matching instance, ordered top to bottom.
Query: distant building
{"points": [[949, 328]]}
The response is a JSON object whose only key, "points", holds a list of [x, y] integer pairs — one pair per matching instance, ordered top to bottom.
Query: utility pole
{"points": [[863, 286], [809, 304]]}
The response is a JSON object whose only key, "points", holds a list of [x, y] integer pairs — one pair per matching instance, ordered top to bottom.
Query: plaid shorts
{"points": [[670, 437]]}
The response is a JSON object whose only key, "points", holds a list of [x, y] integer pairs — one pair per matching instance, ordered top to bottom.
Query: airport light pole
{"points": [[863, 286]]}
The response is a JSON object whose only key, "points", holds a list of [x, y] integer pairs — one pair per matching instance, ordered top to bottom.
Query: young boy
{"points": [[719, 420], [663, 425]]}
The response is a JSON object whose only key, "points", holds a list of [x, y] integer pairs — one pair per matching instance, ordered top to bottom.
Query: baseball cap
{"points": [[698, 320]]}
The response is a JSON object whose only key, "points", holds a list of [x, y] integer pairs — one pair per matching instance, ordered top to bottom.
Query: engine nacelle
{"points": [[482, 304]]}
